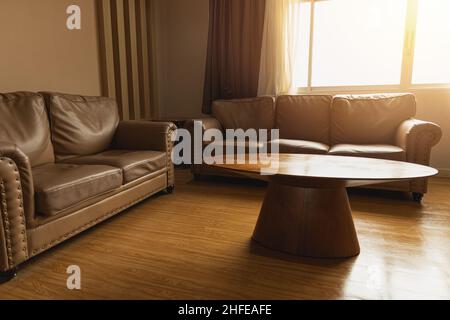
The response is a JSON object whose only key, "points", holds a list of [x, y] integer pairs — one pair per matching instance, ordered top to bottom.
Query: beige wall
{"points": [[182, 33], [38, 52], [434, 105]]}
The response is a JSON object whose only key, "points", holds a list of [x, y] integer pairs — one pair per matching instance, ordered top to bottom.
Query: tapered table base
{"points": [[310, 222]]}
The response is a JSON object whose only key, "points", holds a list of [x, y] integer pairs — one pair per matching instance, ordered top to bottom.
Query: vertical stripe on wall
{"points": [[126, 56]]}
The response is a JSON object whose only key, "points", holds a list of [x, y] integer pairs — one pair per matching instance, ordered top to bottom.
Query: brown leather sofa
{"points": [[375, 126], [68, 163]]}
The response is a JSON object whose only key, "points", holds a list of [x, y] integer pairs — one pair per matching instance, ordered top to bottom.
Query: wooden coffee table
{"points": [[306, 210]]}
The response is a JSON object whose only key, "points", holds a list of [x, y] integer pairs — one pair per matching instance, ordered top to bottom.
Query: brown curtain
{"points": [[125, 49], [234, 50]]}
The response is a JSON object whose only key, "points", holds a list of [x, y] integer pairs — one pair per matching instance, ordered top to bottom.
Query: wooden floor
{"points": [[195, 244]]}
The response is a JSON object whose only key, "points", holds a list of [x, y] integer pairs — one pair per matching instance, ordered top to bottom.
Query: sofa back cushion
{"points": [[254, 113], [304, 117], [369, 119], [24, 122], [81, 125]]}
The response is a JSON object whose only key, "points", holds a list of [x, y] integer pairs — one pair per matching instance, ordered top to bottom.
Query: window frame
{"points": [[407, 60]]}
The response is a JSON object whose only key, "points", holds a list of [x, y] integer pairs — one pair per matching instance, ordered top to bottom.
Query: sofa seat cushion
{"points": [[247, 146], [300, 146], [378, 151], [134, 164], [60, 186]]}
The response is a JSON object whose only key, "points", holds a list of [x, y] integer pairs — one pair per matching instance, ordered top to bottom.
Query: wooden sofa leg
{"points": [[170, 189], [417, 197], [8, 275]]}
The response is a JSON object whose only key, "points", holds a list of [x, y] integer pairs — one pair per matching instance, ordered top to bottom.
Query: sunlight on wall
{"points": [[432, 52]]}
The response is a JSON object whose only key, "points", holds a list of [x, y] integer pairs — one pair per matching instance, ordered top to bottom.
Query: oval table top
{"points": [[301, 169]]}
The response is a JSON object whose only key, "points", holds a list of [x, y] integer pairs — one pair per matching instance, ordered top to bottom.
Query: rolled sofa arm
{"points": [[207, 123], [147, 135], [417, 137], [16, 205]]}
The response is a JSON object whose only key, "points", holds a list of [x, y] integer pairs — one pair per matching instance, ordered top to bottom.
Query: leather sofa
{"points": [[375, 126], [68, 163]]}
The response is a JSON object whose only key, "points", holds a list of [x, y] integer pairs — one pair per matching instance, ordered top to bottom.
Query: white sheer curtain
{"points": [[279, 47]]}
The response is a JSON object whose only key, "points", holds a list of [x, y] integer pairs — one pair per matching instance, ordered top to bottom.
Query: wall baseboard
{"points": [[444, 173]]}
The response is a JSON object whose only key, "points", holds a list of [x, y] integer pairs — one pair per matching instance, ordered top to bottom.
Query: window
{"points": [[355, 43]]}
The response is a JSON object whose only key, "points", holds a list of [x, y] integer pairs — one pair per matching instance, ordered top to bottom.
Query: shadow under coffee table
{"points": [[306, 210]]}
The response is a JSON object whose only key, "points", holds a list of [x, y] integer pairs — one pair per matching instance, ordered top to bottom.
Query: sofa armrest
{"points": [[207, 123], [192, 126], [417, 137], [16, 205]]}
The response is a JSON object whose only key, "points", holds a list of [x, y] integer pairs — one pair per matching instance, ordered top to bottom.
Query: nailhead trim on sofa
{"points": [[10, 241]]}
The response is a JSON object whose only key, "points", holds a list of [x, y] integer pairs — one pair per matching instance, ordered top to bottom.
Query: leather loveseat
{"points": [[375, 126], [68, 163]]}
